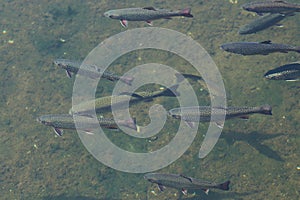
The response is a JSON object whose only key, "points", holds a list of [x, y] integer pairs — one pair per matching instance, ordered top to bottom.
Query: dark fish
{"points": [[275, 6], [147, 14], [261, 23], [258, 48], [91, 71], [289, 72], [104, 103], [204, 113], [65, 121], [183, 183]]}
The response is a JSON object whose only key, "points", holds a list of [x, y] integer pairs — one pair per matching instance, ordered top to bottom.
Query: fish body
{"points": [[275, 6], [147, 14], [261, 23], [258, 48], [91, 71], [289, 72], [119, 101], [204, 113], [66, 121], [183, 183]]}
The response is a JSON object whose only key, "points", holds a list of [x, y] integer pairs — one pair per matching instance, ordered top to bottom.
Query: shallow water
{"points": [[260, 156]]}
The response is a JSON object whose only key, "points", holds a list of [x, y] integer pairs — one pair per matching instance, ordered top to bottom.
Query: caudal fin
{"points": [[186, 12], [298, 49], [171, 92], [266, 109], [224, 186]]}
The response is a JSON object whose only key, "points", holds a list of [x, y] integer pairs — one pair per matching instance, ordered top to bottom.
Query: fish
{"points": [[275, 6], [147, 14], [262, 23], [258, 48], [72, 66], [288, 72], [119, 101], [204, 113], [65, 121], [182, 182]]}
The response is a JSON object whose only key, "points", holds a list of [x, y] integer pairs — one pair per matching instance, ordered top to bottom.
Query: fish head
{"points": [[113, 14], [59, 63], [272, 76], [174, 113], [44, 120], [151, 177]]}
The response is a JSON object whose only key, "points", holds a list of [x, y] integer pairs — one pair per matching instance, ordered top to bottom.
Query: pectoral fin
{"points": [[124, 23], [68, 74], [58, 131], [160, 187]]}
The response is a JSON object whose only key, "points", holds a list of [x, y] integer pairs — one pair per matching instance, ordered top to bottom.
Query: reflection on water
{"points": [[260, 156]]}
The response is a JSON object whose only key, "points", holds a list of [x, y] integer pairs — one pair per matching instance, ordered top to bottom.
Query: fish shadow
{"points": [[255, 139], [214, 195], [65, 197]]}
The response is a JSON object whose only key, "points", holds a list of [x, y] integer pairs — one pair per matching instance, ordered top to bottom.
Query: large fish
{"points": [[275, 6], [147, 14], [262, 23], [258, 48], [94, 72], [289, 72], [104, 103], [204, 113], [66, 121], [183, 183]]}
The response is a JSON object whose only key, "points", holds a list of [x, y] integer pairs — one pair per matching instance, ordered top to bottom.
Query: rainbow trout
{"points": [[275, 6], [147, 14], [262, 23], [258, 48], [95, 72], [288, 72], [104, 103], [204, 113], [66, 121], [183, 183]]}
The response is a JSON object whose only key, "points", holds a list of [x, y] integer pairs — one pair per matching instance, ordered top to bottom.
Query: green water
{"points": [[260, 156]]}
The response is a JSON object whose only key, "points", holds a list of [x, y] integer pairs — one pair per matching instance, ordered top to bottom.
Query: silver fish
{"points": [[275, 6], [147, 14], [258, 48], [91, 71], [288, 72], [104, 103], [204, 113], [66, 121], [183, 183]]}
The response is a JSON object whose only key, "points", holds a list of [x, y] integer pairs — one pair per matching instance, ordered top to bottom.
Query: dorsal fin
{"points": [[280, 1], [149, 8], [266, 42], [183, 176]]}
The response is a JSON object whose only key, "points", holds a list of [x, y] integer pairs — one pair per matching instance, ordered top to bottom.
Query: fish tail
{"points": [[186, 12], [298, 49], [127, 79], [172, 91], [266, 109], [131, 123], [224, 186]]}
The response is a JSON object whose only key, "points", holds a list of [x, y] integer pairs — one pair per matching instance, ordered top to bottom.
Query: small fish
{"points": [[275, 6], [147, 14], [262, 23], [258, 48], [95, 72], [289, 72], [104, 103], [204, 113], [84, 123], [182, 182]]}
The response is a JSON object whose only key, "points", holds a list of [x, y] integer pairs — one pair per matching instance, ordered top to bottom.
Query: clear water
{"points": [[260, 156]]}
